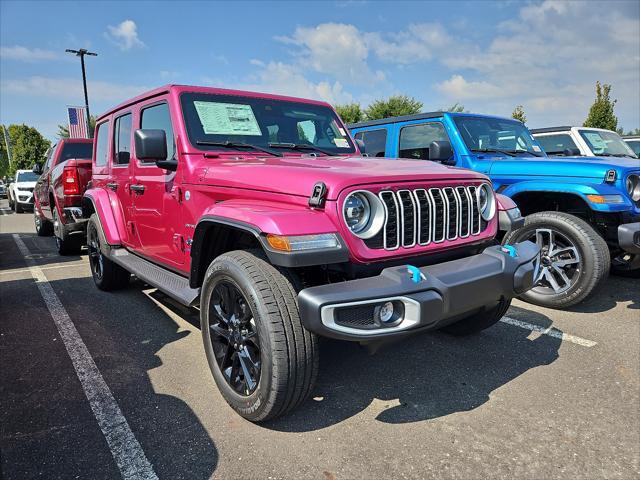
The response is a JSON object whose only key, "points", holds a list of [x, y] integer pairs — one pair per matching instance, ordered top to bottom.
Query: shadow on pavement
{"points": [[615, 289], [425, 377], [39, 391]]}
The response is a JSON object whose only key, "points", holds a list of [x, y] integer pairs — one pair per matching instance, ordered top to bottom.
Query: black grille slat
{"points": [[422, 216]]}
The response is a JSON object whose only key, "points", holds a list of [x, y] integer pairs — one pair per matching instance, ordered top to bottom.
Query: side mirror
{"points": [[151, 145], [361, 145], [441, 151], [571, 152], [37, 168]]}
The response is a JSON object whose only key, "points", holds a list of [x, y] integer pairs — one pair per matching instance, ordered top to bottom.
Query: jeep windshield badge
{"points": [[318, 195], [511, 250], [416, 275]]}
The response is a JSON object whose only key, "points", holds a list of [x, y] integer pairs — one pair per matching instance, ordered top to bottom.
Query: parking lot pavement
{"points": [[543, 394]]}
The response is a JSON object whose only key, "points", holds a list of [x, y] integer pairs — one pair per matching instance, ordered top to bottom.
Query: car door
{"points": [[121, 174], [41, 190], [158, 195]]}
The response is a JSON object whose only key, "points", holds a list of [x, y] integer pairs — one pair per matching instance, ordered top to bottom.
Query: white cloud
{"points": [[125, 35], [415, 44], [335, 49], [25, 54], [286, 79], [458, 87], [70, 89]]}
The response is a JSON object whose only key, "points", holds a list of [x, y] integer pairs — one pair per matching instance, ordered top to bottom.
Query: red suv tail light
{"points": [[70, 183]]}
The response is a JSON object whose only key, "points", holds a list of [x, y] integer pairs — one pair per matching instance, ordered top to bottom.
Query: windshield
{"points": [[264, 123], [495, 134], [605, 143], [635, 145], [76, 150], [28, 177]]}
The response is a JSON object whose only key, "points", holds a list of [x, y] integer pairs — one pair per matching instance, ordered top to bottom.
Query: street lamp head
{"points": [[81, 52]]}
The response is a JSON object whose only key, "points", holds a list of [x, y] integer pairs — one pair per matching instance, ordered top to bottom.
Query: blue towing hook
{"points": [[511, 250], [416, 275]]}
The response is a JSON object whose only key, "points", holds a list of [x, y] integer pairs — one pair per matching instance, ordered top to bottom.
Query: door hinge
{"points": [[176, 192], [178, 242]]}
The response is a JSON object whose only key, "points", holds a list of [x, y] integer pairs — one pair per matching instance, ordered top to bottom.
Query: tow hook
{"points": [[511, 250], [416, 275]]}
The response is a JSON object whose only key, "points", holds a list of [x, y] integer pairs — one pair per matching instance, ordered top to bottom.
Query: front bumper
{"points": [[23, 197], [629, 237], [444, 293]]}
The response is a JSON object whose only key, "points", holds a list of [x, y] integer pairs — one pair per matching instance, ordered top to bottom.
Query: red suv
{"points": [[262, 210]]}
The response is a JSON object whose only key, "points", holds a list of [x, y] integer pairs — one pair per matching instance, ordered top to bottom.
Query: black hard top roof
{"points": [[403, 118]]}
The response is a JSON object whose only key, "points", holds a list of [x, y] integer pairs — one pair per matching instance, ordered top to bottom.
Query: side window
{"points": [[158, 118], [415, 139], [122, 140], [375, 142], [556, 143], [102, 144], [50, 156]]}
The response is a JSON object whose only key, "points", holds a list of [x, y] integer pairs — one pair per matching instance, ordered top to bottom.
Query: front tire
{"points": [[17, 207], [574, 258], [479, 321], [262, 359]]}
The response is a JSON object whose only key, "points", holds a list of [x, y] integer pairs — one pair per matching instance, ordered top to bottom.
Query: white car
{"points": [[583, 141], [634, 142], [20, 192]]}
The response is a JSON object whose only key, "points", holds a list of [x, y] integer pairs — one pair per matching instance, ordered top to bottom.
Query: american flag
{"points": [[77, 122]]}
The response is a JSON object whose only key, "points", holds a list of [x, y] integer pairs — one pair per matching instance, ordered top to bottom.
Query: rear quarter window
{"points": [[102, 144], [75, 150]]}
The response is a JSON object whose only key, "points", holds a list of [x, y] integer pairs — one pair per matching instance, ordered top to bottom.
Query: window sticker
{"points": [[227, 119], [596, 141], [341, 142], [536, 148]]}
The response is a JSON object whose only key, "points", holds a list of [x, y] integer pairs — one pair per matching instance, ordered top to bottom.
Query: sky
{"points": [[488, 56]]}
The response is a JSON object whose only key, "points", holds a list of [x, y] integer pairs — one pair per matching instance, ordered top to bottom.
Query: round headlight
{"points": [[633, 187], [486, 202], [357, 212], [363, 213]]}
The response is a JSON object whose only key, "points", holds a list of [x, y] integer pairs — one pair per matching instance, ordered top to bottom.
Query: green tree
{"points": [[393, 107], [455, 108], [350, 112], [601, 112], [518, 114], [63, 130], [28, 146], [4, 159]]}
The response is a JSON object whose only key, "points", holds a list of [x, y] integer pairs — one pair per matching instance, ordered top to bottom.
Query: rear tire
{"points": [[17, 207], [44, 228], [66, 244], [583, 258], [106, 274], [263, 315], [479, 321]]}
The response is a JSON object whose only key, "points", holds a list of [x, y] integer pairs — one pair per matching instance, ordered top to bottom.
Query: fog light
{"points": [[385, 314]]}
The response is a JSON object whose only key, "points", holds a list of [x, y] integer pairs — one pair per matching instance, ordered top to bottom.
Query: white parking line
{"points": [[550, 331], [124, 446]]}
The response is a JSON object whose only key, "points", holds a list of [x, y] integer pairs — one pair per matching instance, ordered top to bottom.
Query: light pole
{"points": [[81, 53]]}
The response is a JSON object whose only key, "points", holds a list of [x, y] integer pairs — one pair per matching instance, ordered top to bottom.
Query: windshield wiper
{"points": [[238, 145], [301, 146], [493, 150]]}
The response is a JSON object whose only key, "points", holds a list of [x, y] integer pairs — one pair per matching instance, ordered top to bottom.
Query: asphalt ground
{"points": [[544, 394]]}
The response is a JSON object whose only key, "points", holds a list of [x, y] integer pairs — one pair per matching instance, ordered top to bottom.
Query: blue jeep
{"points": [[584, 212]]}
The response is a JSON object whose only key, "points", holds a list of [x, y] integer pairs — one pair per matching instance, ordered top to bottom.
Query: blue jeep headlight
{"points": [[633, 187]]}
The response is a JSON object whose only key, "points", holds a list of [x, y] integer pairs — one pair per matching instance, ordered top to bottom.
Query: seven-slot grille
{"points": [[422, 216]]}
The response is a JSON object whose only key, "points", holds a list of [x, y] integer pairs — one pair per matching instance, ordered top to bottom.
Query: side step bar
{"points": [[172, 284]]}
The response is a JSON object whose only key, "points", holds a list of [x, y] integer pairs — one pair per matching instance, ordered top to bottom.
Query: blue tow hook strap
{"points": [[511, 250], [416, 275]]}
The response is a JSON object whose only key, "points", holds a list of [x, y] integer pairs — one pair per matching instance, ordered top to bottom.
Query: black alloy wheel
{"points": [[234, 338]]}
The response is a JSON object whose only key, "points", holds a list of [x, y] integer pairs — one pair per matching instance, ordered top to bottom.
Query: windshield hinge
{"points": [[316, 200]]}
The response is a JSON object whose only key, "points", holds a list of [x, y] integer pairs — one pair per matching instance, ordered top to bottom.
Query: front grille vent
{"points": [[424, 216]]}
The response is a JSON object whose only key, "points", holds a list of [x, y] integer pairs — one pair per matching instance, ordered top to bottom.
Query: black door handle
{"points": [[112, 186], [137, 188]]}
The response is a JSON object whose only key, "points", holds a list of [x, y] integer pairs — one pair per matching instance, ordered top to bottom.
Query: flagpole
{"points": [[81, 53]]}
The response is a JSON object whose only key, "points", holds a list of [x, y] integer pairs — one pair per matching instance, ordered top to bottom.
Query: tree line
{"points": [[29, 146]]}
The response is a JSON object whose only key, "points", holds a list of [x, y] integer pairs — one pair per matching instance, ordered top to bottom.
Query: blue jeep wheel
{"points": [[574, 258]]}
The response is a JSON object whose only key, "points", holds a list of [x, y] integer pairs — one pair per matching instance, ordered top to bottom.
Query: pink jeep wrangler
{"points": [[262, 209]]}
